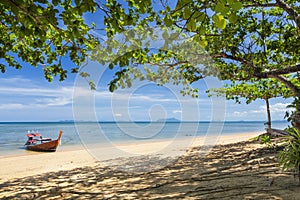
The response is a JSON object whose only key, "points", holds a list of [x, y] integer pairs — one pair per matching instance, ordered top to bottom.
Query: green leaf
{"points": [[186, 1], [231, 2], [179, 6], [237, 6], [219, 7], [168, 9], [187, 13], [199, 16], [232, 18], [219, 20], [168, 22], [191, 25], [165, 35], [12, 36], [174, 36], [203, 43], [92, 85], [112, 87]]}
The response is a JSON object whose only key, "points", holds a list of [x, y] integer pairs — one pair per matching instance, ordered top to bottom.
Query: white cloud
{"points": [[15, 81], [36, 91], [28, 95], [124, 96], [59, 101], [12, 106], [280, 107], [275, 108], [260, 110], [177, 111], [277, 112], [240, 114]]}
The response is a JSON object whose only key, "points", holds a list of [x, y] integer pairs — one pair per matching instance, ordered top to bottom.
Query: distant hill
{"points": [[169, 120]]}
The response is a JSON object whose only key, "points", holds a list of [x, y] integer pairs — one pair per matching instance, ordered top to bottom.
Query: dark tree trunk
{"points": [[296, 91], [296, 116], [296, 120], [269, 130], [299, 175]]}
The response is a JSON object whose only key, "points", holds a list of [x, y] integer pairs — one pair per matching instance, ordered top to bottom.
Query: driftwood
{"points": [[277, 132]]}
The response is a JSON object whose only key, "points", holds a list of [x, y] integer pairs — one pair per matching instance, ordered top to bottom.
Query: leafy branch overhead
{"points": [[42, 32], [244, 39], [246, 42], [263, 44], [251, 91]]}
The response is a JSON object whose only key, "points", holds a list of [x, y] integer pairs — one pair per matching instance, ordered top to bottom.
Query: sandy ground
{"points": [[33, 163], [158, 170]]}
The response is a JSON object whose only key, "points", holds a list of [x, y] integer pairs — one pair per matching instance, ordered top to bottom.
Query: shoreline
{"points": [[68, 158]]}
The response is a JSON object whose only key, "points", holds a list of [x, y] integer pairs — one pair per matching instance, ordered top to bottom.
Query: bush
{"points": [[265, 139], [289, 157]]}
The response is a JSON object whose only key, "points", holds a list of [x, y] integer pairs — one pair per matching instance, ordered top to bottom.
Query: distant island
{"points": [[172, 119]]}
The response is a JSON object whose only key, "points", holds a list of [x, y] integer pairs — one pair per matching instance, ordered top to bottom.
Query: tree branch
{"points": [[261, 5], [103, 9], [290, 11], [33, 16], [232, 57], [168, 64], [286, 70], [287, 83]]}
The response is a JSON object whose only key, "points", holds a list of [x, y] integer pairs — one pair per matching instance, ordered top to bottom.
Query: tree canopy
{"points": [[41, 32], [246, 40], [251, 91]]}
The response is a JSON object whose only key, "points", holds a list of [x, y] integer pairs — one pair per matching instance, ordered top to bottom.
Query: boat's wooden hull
{"points": [[49, 146]]}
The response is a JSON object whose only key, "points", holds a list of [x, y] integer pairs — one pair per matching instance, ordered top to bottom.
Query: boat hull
{"points": [[49, 146]]}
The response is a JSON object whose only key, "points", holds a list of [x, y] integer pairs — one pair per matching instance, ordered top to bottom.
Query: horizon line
{"points": [[146, 121]]}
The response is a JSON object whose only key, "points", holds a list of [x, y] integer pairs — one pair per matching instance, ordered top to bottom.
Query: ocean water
{"points": [[13, 134]]}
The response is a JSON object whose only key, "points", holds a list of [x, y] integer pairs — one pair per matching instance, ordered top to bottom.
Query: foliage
{"points": [[42, 32], [248, 41], [263, 44], [141, 55], [250, 91], [265, 139], [289, 157]]}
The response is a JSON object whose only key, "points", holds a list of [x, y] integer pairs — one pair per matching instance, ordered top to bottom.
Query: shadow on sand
{"points": [[245, 170]]}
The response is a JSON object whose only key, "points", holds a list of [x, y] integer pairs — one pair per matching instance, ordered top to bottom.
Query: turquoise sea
{"points": [[13, 134]]}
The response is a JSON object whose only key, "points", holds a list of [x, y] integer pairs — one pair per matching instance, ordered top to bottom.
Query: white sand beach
{"points": [[34, 163], [230, 167]]}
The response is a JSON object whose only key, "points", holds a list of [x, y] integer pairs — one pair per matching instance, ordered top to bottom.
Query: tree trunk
{"points": [[294, 88], [296, 115], [296, 120], [269, 129], [299, 175]]}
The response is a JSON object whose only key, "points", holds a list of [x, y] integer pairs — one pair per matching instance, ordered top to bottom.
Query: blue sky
{"points": [[27, 96]]}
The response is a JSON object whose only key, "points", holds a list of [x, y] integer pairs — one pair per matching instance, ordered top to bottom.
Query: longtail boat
{"points": [[36, 142]]}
